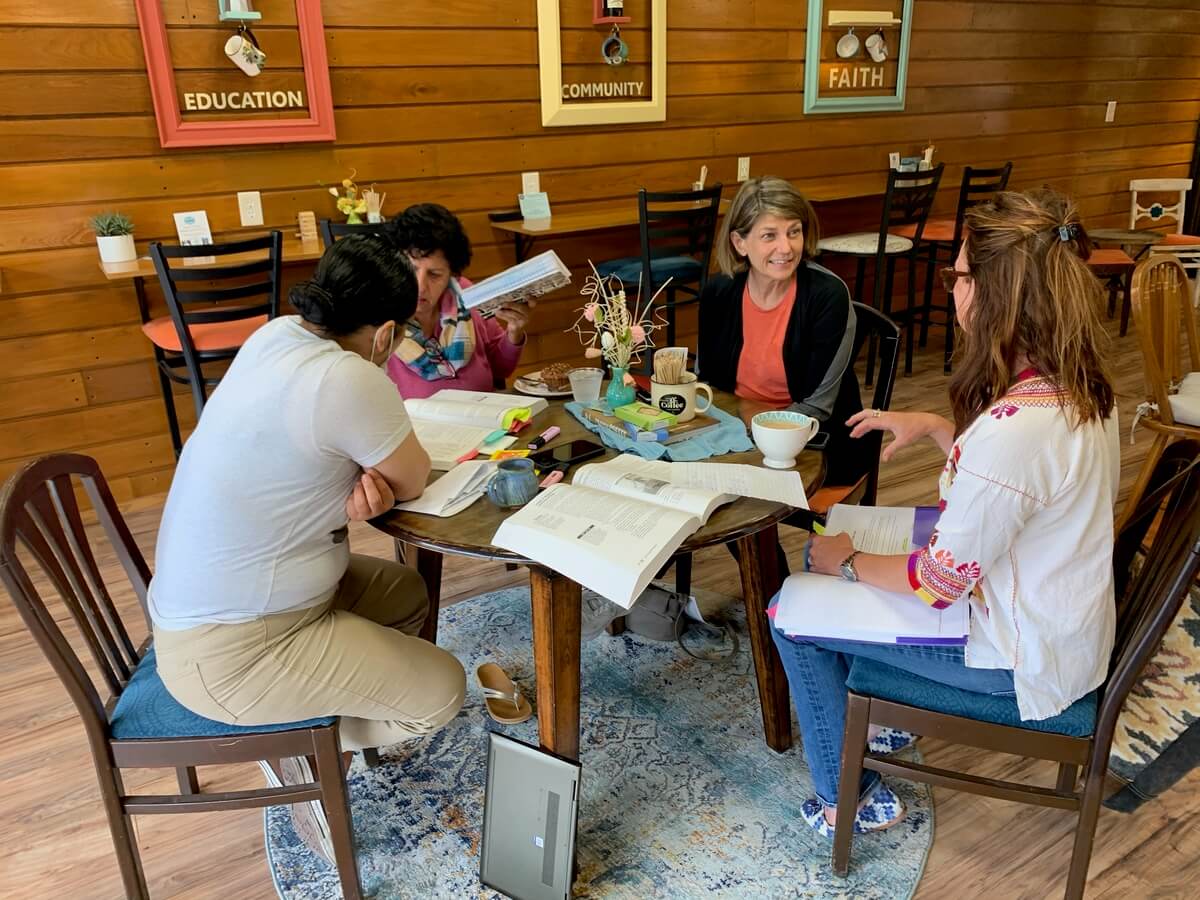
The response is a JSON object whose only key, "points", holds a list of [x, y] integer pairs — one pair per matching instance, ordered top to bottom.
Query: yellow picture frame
{"points": [[556, 112]]}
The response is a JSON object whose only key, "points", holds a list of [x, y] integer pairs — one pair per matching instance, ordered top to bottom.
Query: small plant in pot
{"points": [[114, 237]]}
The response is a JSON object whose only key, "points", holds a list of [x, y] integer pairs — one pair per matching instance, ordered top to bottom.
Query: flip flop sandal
{"points": [[503, 699], [890, 740], [880, 811]]}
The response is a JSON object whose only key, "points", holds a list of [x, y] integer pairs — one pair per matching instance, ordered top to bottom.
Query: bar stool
{"points": [[907, 202], [331, 231], [945, 234], [209, 324]]}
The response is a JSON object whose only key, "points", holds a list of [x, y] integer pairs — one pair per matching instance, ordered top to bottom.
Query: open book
{"points": [[534, 277], [451, 422], [611, 529], [824, 606]]}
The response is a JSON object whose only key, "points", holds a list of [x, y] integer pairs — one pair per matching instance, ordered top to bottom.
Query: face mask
{"points": [[390, 343]]}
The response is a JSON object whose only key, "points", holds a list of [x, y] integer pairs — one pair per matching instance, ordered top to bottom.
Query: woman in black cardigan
{"points": [[778, 330]]}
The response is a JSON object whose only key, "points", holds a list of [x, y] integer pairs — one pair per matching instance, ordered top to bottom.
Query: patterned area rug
{"points": [[680, 796]]}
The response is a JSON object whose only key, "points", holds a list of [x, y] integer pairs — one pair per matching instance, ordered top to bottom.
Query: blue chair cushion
{"points": [[629, 269], [875, 679], [147, 710]]}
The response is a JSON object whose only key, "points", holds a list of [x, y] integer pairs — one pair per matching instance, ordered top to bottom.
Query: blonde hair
{"points": [[757, 197], [1034, 297]]}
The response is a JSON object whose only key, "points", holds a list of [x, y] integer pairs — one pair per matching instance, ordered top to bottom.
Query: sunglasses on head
{"points": [[950, 278]]}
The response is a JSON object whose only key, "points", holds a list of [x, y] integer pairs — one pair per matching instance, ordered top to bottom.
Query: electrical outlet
{"points": [[1110, 113], [743, 168], [531, 183], [250, 207]]}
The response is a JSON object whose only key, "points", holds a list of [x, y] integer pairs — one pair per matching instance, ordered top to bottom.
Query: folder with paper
{"points": [[822, 606]]}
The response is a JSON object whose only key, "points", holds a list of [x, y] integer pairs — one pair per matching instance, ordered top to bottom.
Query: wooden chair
{"points": [[906, 203], [676, 230], [331, 231], [941, 240], [1185, 247], [1114, 267], [1159, 304], [213, 310], [139, 725], [1082, 735]]}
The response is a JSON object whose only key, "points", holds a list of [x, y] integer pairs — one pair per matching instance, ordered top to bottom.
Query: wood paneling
{"points": [[439, 101]]}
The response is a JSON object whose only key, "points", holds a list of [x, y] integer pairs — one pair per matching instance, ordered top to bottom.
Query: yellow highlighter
{"points": [[818, 528]]}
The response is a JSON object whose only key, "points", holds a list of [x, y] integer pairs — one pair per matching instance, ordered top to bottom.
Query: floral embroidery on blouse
{"points": [[1002, 410], [935, 580]]}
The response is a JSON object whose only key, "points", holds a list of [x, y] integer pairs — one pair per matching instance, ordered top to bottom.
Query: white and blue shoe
{"points": [[889, 741], [879, 811]]}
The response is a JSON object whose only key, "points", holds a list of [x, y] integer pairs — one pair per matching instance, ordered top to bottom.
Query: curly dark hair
{"points": [[425, 228]]}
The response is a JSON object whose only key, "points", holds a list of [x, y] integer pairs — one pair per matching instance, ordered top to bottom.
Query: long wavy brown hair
{"points": [[1034, 298]]}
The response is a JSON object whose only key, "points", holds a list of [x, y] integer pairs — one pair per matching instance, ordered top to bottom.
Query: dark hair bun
{"points": [[360, 280], [313, 302]]}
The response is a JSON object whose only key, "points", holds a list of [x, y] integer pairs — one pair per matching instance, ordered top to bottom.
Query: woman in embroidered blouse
{"points": [[444, 345], [1026, 530]]}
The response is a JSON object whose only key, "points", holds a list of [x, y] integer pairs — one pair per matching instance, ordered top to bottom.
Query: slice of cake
{"points": [[556, 376]]}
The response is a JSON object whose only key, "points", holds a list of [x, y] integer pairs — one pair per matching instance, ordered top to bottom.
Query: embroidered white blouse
{"points": [[1026, 535]]}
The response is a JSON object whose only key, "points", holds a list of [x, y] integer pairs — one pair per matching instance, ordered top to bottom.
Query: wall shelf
{"points": [[598, 17], [851, 18]]}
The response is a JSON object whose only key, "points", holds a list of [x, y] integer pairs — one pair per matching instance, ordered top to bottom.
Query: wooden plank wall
{"points": [[438, 101]]}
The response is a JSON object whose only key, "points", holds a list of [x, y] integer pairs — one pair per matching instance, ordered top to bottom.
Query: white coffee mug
{"points": [[877, 47], [245, 54], [680, 399], [781, 434]]}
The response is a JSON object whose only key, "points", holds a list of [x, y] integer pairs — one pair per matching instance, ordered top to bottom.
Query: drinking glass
{"points": [[585, 385]]}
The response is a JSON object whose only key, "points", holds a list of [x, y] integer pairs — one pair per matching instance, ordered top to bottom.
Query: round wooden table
{"points": [[1136, 242], [556, 600]]}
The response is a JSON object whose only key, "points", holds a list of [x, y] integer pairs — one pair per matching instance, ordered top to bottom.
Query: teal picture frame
{"points": [[815, 103]]}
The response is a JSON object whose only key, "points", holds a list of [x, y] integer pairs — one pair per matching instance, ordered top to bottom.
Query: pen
{"points": [[545, 437]]}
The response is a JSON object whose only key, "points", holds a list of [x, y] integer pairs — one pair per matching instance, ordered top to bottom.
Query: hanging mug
{"points": [[847, 45], [877, 47], [614, 50], [244, 52]]}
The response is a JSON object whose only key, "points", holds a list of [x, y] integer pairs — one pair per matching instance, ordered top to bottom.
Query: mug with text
{"points": [[680, 399]]}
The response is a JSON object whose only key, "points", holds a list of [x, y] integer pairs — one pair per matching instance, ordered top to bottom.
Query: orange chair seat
{"points": [[940, 230], [1181, 240], [1110, 257], [209, 336]]}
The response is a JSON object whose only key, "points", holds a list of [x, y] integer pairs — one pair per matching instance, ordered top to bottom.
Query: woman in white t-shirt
{"points": [[1025, 534], [261, 613]]}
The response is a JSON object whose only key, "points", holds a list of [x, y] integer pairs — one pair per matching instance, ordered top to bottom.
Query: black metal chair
{"points": [[906, 202], [676, 230], [331, 231], [941, 241], [214, 307], [139, 724], [1082, 735]]}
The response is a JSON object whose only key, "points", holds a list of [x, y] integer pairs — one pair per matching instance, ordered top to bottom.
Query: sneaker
{"points": [[596, 614], [889, 741], [879, 811], [308, 818]]}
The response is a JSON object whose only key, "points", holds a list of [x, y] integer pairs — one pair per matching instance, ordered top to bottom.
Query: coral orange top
{"points": [[760, 373]]}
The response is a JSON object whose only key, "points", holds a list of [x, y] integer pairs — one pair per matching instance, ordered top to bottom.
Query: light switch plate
{"points": [[1110, 113], [743, 168], [531, 183], [250, 207]]}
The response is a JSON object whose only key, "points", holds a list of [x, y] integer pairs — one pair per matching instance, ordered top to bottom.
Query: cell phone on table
{"points": [[566, 454]]}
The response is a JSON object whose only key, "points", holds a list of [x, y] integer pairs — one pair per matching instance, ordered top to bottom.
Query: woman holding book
{"points": [[776, 329], [443, 344], [1025, 534], [261, 613]]}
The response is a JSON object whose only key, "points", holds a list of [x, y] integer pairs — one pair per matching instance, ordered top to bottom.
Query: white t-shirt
{"points": [[254, 522]]}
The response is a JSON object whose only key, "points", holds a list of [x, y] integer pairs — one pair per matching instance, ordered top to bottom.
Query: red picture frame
{"points": [[174, 132]]}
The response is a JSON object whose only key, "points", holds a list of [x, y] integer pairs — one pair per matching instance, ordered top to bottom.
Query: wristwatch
{"points": [[848, 571]]}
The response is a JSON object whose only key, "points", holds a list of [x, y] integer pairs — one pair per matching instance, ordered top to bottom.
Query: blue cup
{"points": [[514, 484]]}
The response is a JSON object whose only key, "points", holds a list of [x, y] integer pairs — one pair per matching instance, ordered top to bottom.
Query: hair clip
{"points": [[1066, 232]]}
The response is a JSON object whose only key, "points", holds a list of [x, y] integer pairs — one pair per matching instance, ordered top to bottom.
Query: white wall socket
{"points": [[1110, 113], [743, 168], [531, 182], [250, 207]]}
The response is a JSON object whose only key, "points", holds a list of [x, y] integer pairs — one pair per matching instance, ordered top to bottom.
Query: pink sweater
{"points": [[494, 359]]}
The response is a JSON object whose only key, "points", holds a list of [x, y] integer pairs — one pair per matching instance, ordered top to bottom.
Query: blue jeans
{"points": [[817, 671]]}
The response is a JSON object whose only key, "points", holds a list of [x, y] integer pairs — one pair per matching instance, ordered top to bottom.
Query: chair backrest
{"points": [[978, 186], [907, 201], [1157, 212], [678, 223], [331, 231], [1160, 300], [870, 322], [39, 513], [1150, 603]]}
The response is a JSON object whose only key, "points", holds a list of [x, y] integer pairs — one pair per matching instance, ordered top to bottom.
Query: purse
{"points": [[661, 615]]}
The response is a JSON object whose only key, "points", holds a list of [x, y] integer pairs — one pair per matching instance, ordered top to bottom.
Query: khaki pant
{"points": [[354, 656]]}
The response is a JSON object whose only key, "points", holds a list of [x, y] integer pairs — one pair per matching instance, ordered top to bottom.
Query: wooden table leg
{"points": [[429, 565], [759, 567], [556, 602]]}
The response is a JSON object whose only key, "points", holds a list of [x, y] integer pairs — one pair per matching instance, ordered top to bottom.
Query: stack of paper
{"points": [[454, 491]]}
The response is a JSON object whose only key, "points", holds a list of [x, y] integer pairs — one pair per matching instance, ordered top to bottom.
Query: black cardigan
{"points": [[820, 336]]}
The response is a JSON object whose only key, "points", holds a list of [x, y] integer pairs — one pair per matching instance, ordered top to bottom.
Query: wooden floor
{"points": [[56, 844]]}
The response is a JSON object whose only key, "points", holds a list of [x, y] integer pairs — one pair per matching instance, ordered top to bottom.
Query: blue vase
{"points": [[619, 393]]}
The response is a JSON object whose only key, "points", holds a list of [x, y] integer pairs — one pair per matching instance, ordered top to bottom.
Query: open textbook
{"points": [[534, 277], [451, 422], [618, 522], [812, 605]]}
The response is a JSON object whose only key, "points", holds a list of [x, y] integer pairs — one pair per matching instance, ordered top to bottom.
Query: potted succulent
{"points": [[114, 237]]}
